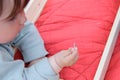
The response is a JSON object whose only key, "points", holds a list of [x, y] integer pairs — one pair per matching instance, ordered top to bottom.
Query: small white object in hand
{"points": [[74, 46]]}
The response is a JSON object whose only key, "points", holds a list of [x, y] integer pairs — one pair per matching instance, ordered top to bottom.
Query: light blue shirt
{"points": [[32, 47]]}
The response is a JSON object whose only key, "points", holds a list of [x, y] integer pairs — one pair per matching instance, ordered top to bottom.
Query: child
{"points": [[13, 32]]}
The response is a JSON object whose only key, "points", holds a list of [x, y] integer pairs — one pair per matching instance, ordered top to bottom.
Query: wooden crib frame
{"points": [[33, 11], [108, 50]]}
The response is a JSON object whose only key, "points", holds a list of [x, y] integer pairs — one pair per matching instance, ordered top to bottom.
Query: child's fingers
{"points": [[67, 52], [75, 53], [74, 56]]}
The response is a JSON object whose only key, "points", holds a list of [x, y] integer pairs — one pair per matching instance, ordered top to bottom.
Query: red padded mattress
{"points": [[86, 23]]}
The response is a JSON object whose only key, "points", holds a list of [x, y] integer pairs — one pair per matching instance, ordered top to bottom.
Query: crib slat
{"points": [[34, 8], [109, 47]]}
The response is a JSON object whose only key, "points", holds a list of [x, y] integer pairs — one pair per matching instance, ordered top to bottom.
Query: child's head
{"points": [[12, 18]]}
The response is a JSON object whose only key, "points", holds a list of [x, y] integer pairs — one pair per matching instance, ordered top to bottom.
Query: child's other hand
{"points": [[67, 57]]}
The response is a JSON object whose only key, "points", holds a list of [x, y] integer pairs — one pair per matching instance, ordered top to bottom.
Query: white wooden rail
{"points": [[34, 9], [109, 47]]}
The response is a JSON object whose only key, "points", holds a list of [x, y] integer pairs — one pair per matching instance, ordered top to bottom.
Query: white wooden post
{"points": [[34, 8], [109, 47]]}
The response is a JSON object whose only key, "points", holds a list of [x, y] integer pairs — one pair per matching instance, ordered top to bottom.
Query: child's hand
{"points": [[66, 57]]}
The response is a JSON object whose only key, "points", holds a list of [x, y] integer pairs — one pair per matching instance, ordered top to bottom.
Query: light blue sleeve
{"points": [[30, 43], [15, 70], [43, 70]]}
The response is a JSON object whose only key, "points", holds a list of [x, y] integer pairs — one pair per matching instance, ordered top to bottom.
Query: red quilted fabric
{"points": [[86, 23]]}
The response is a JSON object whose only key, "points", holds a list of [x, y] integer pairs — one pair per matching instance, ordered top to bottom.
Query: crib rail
{"points": [[34, 9], [108, 50]]}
